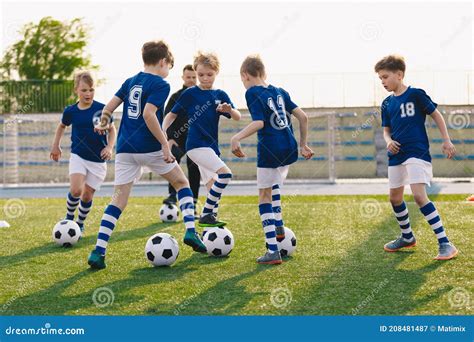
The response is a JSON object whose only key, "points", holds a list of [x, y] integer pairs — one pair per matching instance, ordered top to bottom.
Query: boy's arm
{"points": [[227, 108], [106, 117], [302, 118], [169, 119], [151, 121], [251, 128], [392, 145], [448, 146], [56, 148], [106, 153]]}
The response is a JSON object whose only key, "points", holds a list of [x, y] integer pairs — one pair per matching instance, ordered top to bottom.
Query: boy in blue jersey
{"points": [[203, 106], [271, 108], [142, 143], [89, 150], [409, 161]]}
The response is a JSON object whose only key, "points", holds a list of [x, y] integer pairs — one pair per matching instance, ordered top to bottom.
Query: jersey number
{"points": [[134, 100], [407, 109], [279, 117]]}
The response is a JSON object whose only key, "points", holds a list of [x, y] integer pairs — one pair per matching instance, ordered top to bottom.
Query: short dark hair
{"points": [[155, 51], [391, 63], [253, 65], [188, 67]]}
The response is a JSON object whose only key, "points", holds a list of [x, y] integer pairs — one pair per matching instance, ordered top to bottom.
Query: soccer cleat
{"points": [[170, 200], [210, 220], [280, 233], [192, 239], [396, 245], [446, 251], [270, 258], [96, 260]]}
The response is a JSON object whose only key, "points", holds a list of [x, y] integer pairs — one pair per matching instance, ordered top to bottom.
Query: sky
{"points": [[323, 53]]}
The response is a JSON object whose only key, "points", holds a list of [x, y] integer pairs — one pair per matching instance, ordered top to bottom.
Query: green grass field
{"points": [[339, 268]]}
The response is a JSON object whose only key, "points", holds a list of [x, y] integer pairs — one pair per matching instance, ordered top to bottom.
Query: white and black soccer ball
{"points": [[169, 213], [66, 233], [219, 241], [287, 246], [161, 249]]}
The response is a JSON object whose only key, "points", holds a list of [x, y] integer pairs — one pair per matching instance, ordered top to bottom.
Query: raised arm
{"points": [[302, 118], [448, 147]]}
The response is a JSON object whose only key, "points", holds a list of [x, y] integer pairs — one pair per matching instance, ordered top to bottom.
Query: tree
{"points": [[51, 49], [49, 53]]}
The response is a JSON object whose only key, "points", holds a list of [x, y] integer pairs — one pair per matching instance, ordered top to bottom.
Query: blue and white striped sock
{"points": [[215, 193], [71, 203], [186, 205], [276, 205], [215, 210], [83, 211], [401, 213], [432, 216], [268, 223], [107, 225]]}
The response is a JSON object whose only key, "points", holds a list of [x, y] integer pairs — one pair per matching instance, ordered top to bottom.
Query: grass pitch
{"points": [[339, 267]]}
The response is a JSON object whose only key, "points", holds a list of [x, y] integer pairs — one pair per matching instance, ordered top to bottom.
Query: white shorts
{"points": [[208, 162], [129, 166], [411, 171], [95, 172], [267, 177]]}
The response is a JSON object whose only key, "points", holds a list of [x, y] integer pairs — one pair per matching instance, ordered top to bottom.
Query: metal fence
{"points": [[348, 143]]}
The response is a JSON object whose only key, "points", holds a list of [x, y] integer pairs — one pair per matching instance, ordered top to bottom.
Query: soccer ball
{"points": [[169, 213], [66, 233], [219, 241], [287, 246], [161, 249]]}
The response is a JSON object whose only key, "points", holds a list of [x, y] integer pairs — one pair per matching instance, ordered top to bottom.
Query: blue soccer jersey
{"points": [[200, 107], [405, 115], [134, 135], [84, 141], [277, 145]]}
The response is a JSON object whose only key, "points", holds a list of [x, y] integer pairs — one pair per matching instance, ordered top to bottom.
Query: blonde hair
{"points": [[208, 59], [253, 65], [84, 76]]}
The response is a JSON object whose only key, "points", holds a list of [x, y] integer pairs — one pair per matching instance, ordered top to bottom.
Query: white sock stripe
{"points": [[223, 180], [216, 189], [213, 198], [185, 200], [276, 203], [208, 206], [86, 210], [188, 212], [402, 213], [432, 215], [267, 216], [278, 217], [109, 218], [404, 222], [189, 224], [437, 225], [269, 228], [105, 230], [406, 231], [441, 235], [271, 241], [101, 243]]}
